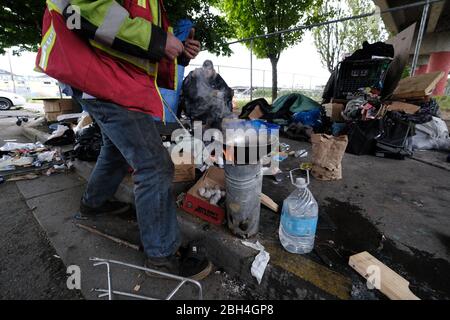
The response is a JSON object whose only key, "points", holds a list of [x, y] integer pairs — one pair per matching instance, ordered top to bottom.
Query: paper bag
{"points": [[328, 152]]}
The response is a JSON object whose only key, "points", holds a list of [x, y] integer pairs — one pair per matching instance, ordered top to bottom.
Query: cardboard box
{"points": [[57, 105], [334, 111], [53, 116], [184, 173], [200, 207]]}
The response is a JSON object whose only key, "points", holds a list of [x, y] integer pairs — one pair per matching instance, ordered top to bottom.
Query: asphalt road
{"points": [[29, 266]]}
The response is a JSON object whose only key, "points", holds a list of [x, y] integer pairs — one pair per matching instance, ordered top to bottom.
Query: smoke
{"points": [[207, 97]]}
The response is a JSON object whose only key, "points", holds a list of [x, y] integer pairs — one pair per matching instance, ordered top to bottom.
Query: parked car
{"points": [[8, 100]]}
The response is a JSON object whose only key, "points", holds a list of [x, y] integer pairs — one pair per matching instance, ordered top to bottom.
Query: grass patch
{"points": [[444, 102]]}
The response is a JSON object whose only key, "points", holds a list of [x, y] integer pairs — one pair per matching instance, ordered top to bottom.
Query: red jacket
{"points": [[118, 59]]}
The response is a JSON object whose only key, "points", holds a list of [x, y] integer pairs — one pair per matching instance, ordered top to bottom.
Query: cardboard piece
{"points": [[402, 46], [418, 86], [403, 107], [334, 111], [256, 113], [328, 152], [184, 173], [200, 207]]}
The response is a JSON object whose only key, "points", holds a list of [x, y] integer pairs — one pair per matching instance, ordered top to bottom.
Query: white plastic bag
{"points": [[432, 135], [261, 261]]}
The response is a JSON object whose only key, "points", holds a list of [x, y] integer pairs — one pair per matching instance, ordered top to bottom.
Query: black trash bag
{"points": [[379, 49], [206, 97], [249, 107], [427, 111], [299, 132], [362, 137], [67, 138], [88, 143]]}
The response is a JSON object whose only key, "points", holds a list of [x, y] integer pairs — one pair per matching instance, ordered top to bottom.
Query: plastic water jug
{"points": [[299, 218]]}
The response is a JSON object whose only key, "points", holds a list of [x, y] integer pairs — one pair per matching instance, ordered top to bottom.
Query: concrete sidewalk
{"points": [[54, 202], [396, 210]]}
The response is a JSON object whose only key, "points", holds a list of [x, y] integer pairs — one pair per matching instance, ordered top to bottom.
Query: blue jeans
{"points": [[131, 139]]}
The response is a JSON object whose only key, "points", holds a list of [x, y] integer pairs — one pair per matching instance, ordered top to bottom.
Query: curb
{"points": [[33, 134], [286, 276]]}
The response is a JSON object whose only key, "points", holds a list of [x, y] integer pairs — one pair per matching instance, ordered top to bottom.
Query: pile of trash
{"points": [[366, 100], [297, 115], [394, 127], [81, 132], [74, 136], [27, 161]]}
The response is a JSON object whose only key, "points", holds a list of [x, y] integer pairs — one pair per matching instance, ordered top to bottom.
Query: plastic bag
{"points": [[433, 135]]}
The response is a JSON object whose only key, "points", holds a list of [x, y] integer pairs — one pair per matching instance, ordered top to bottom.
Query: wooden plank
{"points": [[418, 86], [269, 203], [394, 286]]}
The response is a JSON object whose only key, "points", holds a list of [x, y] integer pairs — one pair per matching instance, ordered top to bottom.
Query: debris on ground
{"points": [[261, 260], [380, 277]]}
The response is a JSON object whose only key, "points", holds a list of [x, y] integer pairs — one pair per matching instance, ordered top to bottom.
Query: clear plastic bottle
{"points": [[299, 219]]}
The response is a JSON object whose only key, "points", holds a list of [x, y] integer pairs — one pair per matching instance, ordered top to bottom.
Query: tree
{"points": [[257, 17], [20, 24], [334, 40]]}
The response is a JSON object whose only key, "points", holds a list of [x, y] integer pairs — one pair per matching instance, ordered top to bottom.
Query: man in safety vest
{"points": [[115, 55]]}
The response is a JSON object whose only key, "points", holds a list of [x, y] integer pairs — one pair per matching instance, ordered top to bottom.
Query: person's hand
{"points": [[191, 46], [174, 47]]}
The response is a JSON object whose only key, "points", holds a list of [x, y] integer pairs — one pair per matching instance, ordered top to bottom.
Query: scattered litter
{"points": [[85, 121], [60, 129], [11, 146], [301, 153], [46, 156], [10, 162], [7, 168], [30, 176], [2, 180], [419, 203], [56, 256], [261, 260], [232, 285], [137, 288]]}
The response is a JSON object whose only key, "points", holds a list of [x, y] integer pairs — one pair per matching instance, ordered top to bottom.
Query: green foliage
{"points": [[258, 17], [20, 24], [211, 29], [335, 40], [444, 102]]}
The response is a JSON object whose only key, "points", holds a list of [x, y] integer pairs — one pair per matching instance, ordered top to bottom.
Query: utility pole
{"points": [[423, 22], [251, 70], [11, 71]]}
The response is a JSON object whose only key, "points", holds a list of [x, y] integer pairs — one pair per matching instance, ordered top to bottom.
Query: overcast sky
{"points": [[299, 65]]}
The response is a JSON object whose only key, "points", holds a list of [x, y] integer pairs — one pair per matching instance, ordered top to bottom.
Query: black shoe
{"points": [[110, 207], [194, 263], [169, 265]]}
